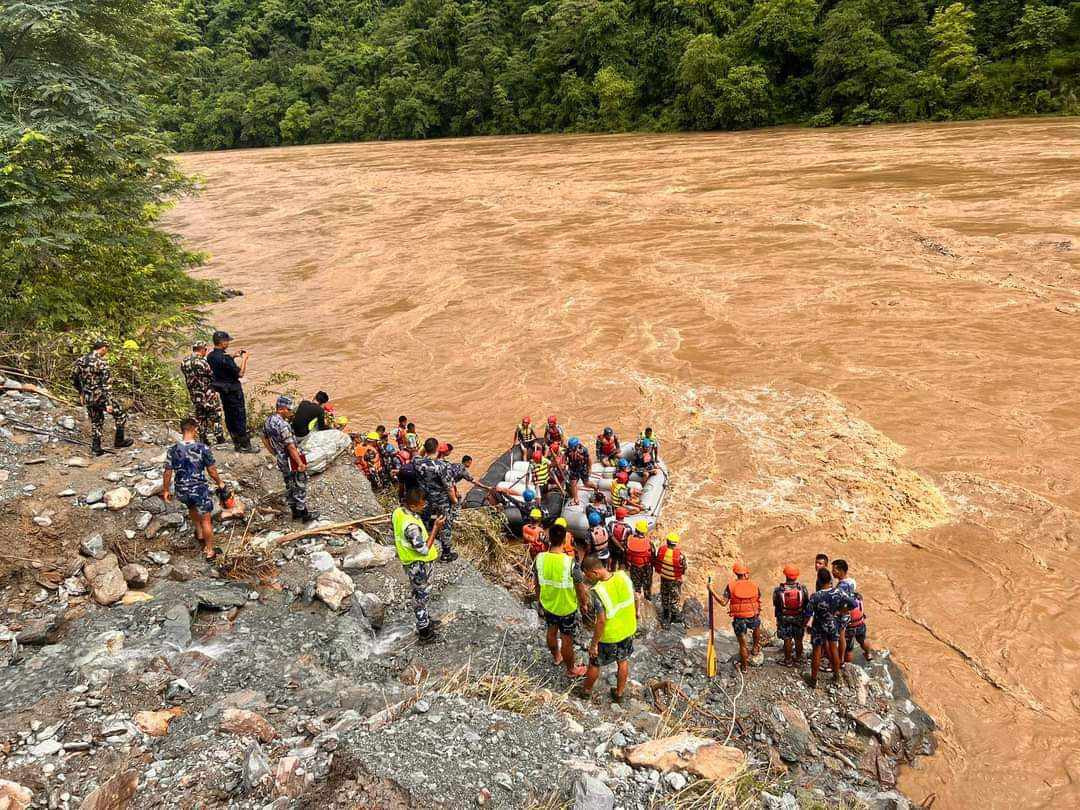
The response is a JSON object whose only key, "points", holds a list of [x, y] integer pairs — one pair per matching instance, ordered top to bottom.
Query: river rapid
{"points": [[857, 341]]}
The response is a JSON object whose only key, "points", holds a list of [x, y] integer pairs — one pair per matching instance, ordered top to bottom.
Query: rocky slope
{"points": [[132, 673]]}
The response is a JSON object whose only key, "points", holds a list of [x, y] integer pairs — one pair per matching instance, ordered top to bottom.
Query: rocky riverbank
{"points": [[133, 673]]}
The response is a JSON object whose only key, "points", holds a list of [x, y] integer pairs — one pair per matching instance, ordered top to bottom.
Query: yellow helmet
{"points": [[129, 344], [343, 421], [372, 437], [536, 513], [562, 522], [641, 527], [673, 538]]}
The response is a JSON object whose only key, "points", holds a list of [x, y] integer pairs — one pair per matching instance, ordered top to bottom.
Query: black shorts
{"points": [[577, 475], [565, 624], [612, 653]]}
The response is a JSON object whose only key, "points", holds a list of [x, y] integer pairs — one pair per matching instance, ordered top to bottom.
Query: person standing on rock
{"points": [[91, 379], [227, 382], [205, 401], [280, 441], [189, 461], [436, 480], [416, 549], [640, 559], [671, 565], [560, 590], [742, 597], [789, 600], [615, 609], [822, 609]]}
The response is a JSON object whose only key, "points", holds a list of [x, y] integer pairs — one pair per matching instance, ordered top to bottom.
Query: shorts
{"points": [[577, 475], [199, 500], [641, 576], [566, 624], [744, 626], [788, 629], [822, 633], [856, 634], [612, 653]]}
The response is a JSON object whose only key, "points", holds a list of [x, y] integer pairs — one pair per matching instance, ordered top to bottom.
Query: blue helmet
{"points": [[574, 442], [646, 442], [622, 464], [528, 495], [594, 518]]}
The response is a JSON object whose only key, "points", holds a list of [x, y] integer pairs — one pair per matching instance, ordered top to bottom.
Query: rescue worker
{"points": [[91, 379], [227, 382], [205, 402], [311, 415], [401, 433], [554, 433], [647, 433], [525, 437], [412, 439], [279, 440], [607, 447], [369, 459], [645, 459], [392, 461], [187, 463], [577, 465], [540, 467], [459, 471], [437, 482], [622, 495], [599, 507], [560, 530], [619, 531], [533, 534], [599, 540], [416, 549], [639, 559], [820, 561], [671, 565], [842, 582], [560, 589], [742, 597], [789, 600], [823, 608], [615, 612], [856, 632]]}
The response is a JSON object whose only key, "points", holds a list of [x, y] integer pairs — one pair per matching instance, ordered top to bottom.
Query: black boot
{"points": [[119, 440], [243, 445], [95, 446], [305, 516], [448, 556], [426, 636]]}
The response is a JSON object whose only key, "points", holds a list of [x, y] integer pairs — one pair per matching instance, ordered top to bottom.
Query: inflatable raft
{"points": [[514, 476]]}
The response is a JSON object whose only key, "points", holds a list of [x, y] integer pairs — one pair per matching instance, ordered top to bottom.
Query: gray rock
{"points": [[67, 422], [77, 461], [147, 489], [95, 496], [154, 505], [143, 520], [44, 521], [159, 557], [322, 561], [136, 575], [221, 597], [370, 607], [36, 631], [178, 691], [422, 707], [46, 748], [256, 767], [503, 780], [675, 780], [592, 794], [785, 802]]}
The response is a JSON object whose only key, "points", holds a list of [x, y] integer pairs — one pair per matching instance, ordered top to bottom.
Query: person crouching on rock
{"points": [[281, 442], [189, 461], [417, 550], [560, 590], [742, 597], [789, 600], [823, 607], [615, 609]]}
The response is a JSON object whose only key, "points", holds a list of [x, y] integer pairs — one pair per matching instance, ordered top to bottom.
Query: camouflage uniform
{"points": [[92, 378], [204, 399], [279, 434], [189, 462], [458, 472], [435, 479], [419, 581]]}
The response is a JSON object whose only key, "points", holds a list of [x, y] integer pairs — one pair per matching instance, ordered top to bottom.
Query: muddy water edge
{"points": [[863, 342]]}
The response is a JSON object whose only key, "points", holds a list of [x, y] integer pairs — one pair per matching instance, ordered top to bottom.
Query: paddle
{"points": [[710, 654]]}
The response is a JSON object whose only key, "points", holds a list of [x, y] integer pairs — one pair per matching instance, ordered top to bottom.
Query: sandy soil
{"points": [[861, 341]]}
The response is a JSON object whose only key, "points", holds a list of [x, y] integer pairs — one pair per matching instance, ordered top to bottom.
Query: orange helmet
{"points": [[552, 419], [526, 420], [537, 455], [740, 568], [791, 571]]}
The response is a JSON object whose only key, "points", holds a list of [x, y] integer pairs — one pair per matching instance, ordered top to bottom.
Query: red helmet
{"points": [[553, 419], [526, 420], [445, 448], [537, 455], [622, 477], [621, 513]]}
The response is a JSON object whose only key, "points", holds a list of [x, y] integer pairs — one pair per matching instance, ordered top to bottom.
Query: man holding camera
{"points": [[227, 377]]}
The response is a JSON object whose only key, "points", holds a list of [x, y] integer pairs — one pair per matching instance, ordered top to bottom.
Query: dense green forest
{"points": [[261, 72]]}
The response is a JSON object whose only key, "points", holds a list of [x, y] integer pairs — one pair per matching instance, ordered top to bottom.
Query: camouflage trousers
{"points": [[96, 412], [208, 415], [296, 490], [433, 511], [446, 536], [421, 590], [670, 596]]}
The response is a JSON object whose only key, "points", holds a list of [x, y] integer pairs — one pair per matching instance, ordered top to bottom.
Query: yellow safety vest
{"points": [[542, 471], [619, 494], [403, 518], [555, 574], [620, 616]]}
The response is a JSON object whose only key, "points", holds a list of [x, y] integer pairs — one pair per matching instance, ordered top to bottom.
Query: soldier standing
{"points": [[227, 376], [91, 380], [204, 399], [280, 441], [437, 482]]}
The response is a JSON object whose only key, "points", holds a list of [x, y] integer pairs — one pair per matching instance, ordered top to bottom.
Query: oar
{"points": [[710, 654]]}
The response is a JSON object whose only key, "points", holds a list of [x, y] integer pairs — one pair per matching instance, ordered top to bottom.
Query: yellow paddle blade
{"points": [[710, 660]]}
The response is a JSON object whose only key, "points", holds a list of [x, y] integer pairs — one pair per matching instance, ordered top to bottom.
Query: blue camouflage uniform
{"points": [[279, 434], [189, 462], [436, 479], [824, 606]]}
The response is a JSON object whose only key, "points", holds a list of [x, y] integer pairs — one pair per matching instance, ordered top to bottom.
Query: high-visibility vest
{"points": [[542, 471], [619, 494], [403, 518], [638, 550], [669, 563], [555, 574], [745, 599], [620, 616]]}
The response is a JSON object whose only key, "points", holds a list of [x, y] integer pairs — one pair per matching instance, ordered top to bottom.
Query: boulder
{"points": [[66, 422], [320, 447], [77, 461], [148, 488], [95, 496], [117, 499], [143, 520], [93, 546], [369, 555], [321, 561], [136, 575], [107, 583], [333, 587], [221, 597], [370, 607], [177, 626], [37, 631], [156, 724], [247, 724], [796, 741], [687, 752], [256, 767], [115, 794], [592, 794], [14, 796]]}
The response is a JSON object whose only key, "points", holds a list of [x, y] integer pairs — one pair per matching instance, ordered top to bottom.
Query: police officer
{"points": [[227, 376], [91, 380], [205, 401], [280, 441], [436, 480], [416, 550]]}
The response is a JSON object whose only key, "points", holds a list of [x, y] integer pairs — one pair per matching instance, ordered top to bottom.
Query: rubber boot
{"points": [[120, 440], [95, 446], [426, 636]]}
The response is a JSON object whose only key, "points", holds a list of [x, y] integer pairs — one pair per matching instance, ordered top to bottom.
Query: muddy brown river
{"points": [[857, 341]]}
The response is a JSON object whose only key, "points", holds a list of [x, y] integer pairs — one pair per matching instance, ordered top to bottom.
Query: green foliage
{"points": [[954, 61]]}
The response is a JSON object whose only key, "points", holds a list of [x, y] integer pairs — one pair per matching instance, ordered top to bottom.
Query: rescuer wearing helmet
{"points": [[554, 433], [525, 438], [607, 447], [645, 459], [577, 465], [540, 468], [622, 495], [598, 506], [619, 531], [533, 533], [599, 540], [416, 549], [640, 558], [671, 565], [560, 590], [742, 597], [789, 600], [615, 611]]}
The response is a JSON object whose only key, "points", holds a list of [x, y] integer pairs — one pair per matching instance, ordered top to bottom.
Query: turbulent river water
{"points": [[857, 341]]}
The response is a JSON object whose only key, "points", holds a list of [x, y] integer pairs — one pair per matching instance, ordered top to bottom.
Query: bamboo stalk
{"points": [[333, 528]]}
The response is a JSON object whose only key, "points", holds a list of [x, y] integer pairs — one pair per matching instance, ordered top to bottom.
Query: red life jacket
{"points": [[552, 434], [401, 437], [608, 447], [404, 456], [619, 532], [534, 537], [599, 541], [638, 550], [669, 563], [745, 600], [791, 600], [858, 617]]}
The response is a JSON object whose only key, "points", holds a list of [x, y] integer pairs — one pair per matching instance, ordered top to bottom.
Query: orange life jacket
{"points": [[619, 533], [534, 537], [638, 550], [669, 563], [745, 599], [791, 600], [858, 617]]}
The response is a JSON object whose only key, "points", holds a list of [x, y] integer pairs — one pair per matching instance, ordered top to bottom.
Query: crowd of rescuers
{"points": [[604, 577]]}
